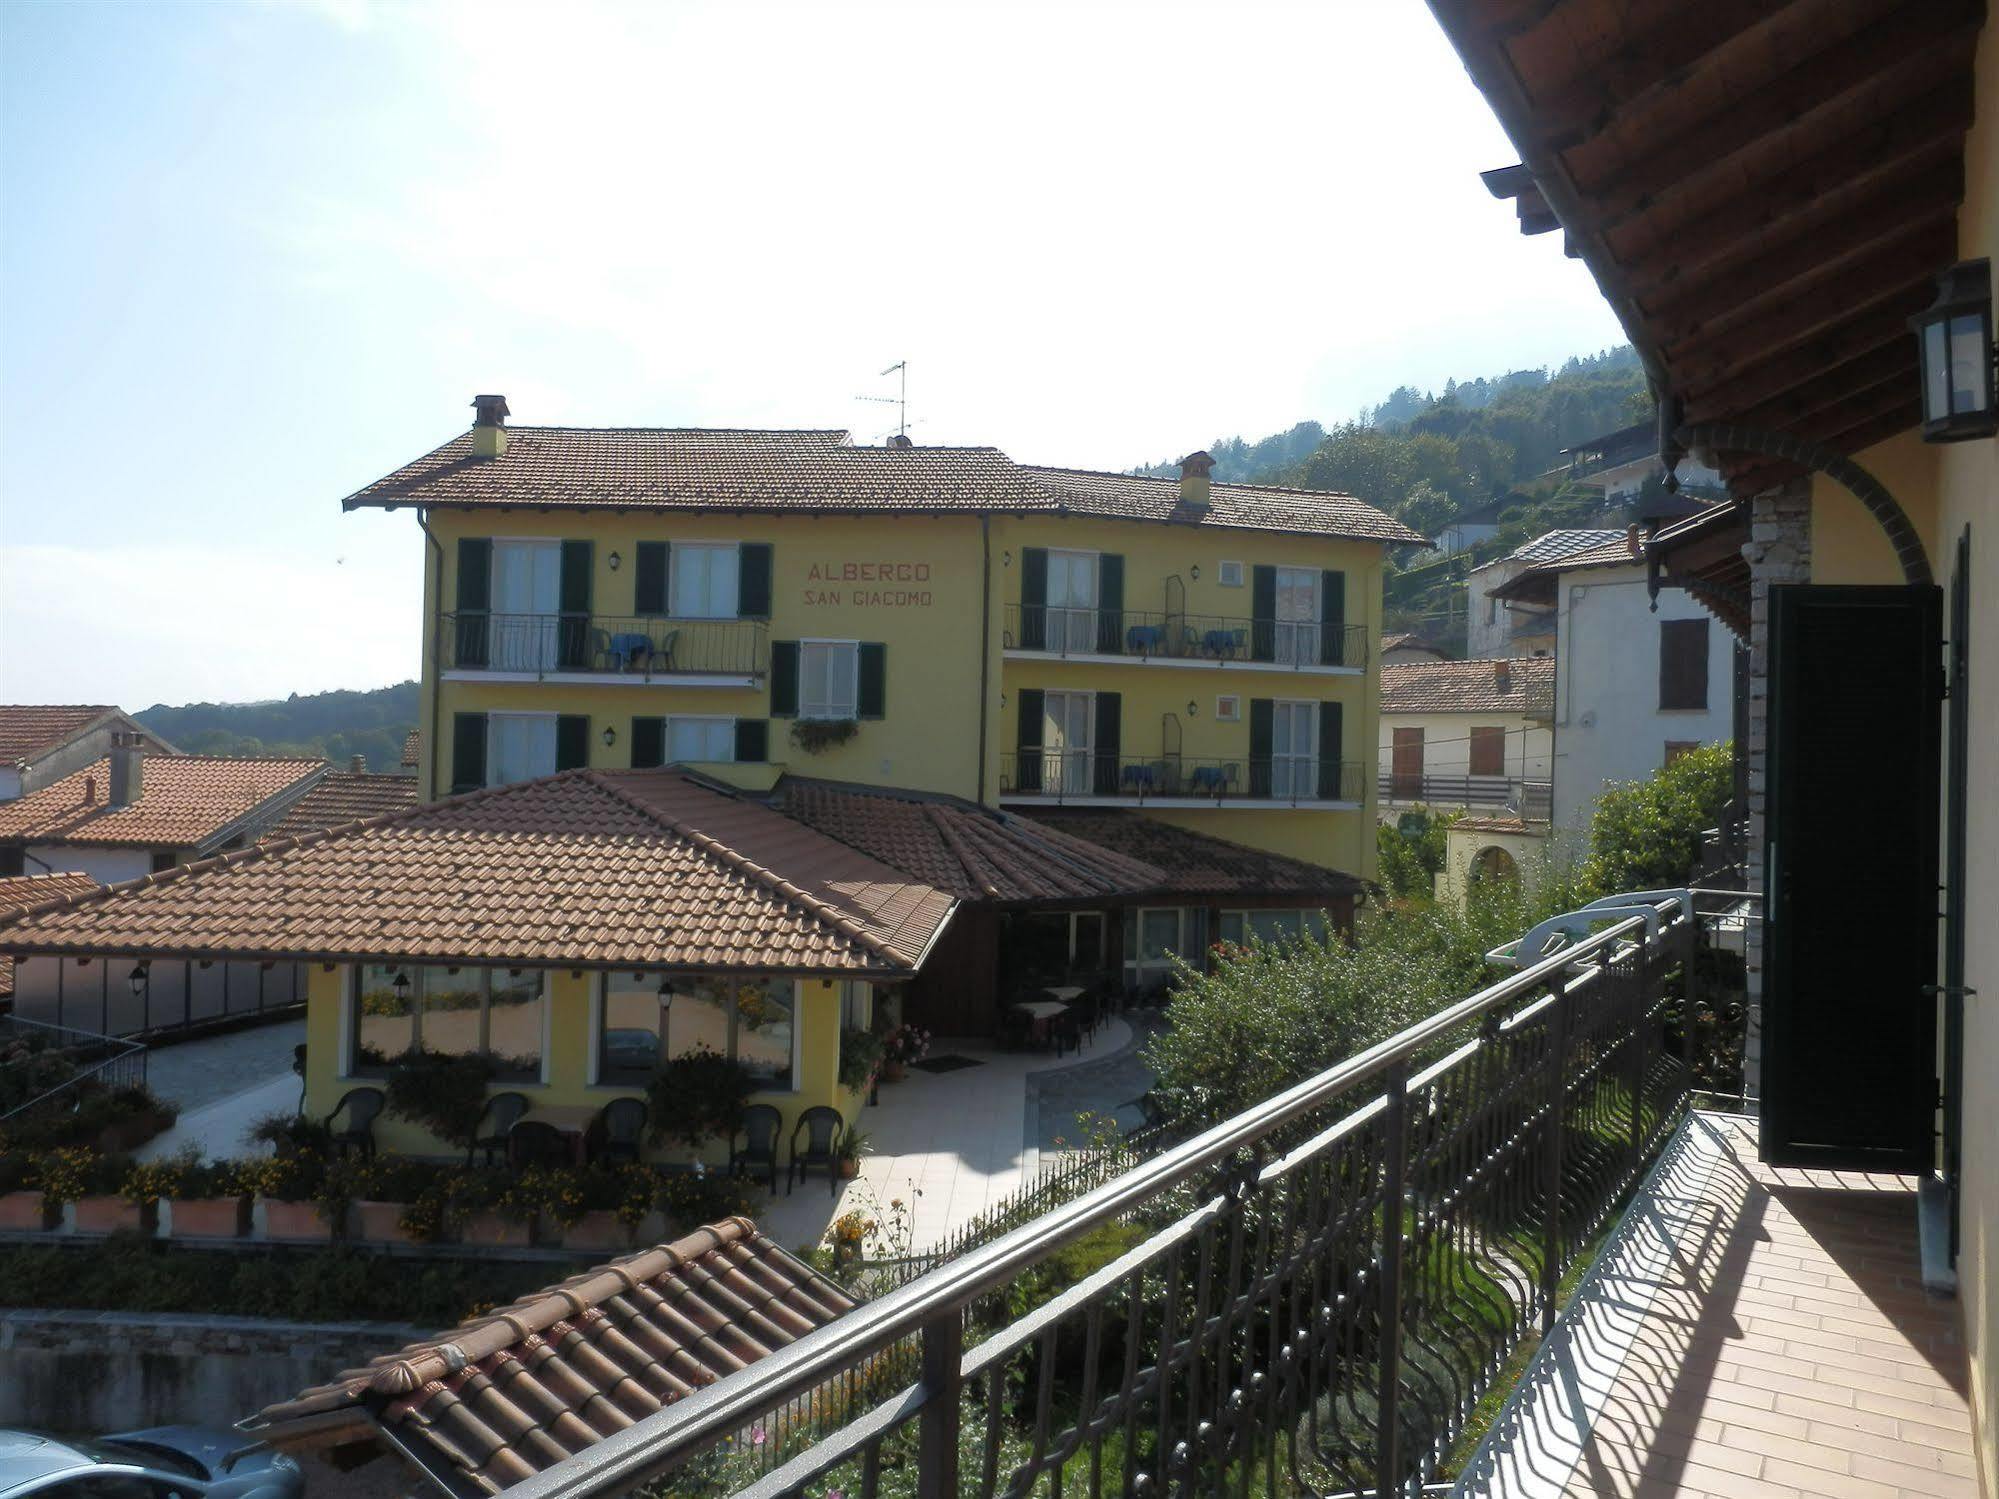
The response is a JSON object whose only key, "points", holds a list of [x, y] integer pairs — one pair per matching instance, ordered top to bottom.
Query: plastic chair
{"points": [[662, 654], [1016, 1029], [1066, 1031], [360, 1105], [503, 1112], [619, 1127], [821, 1127], [533, 1142], [758, 1153]]}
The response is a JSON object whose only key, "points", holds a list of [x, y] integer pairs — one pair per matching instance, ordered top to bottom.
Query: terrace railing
{"points": [[1207, 639], [646, 647], [1060, 775], [1533, 800], [45, 1069], [1313, 1294]]}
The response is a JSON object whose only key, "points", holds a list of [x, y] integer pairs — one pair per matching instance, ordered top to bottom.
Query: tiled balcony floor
{"points": [[1750, 1333]]}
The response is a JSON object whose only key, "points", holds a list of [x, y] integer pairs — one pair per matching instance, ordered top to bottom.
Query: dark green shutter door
{"points": [[753, 580], [649, 586], [475, 598], [1033, 599], [1110, 603], [575, 605], [1263, 614], [1333, 619], [784, 679], [871, 693], [1331, 716], [1261, 733], [572, 741], [752, 741], [1027, 741], [648, 743], [1109, 744], [468, 752]]}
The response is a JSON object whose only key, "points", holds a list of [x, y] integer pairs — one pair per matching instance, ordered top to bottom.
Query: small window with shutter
{"points": [[1682, 664], [1488, 751]]}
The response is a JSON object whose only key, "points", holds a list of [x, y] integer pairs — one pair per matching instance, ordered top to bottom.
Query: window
{"points": [[705, 575], [1230, 575], [527, 595], [1072, 601], [1298, 615], [1682, 664], [829, 679], [1228, 708], [1066, 721], [711, 739], [519, 747], [1294, 749], [1488, 751], [163, 858], [13, 861], [1275, 926], [1153, 938], [857, 1007], [493, 1012], [750, 1020]]}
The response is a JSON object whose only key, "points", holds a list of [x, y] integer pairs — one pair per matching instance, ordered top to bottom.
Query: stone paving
{"points": [[195, 1074], [1109, 1084]]}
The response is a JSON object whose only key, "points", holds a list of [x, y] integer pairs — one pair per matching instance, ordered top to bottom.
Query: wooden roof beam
{"points": [[1494, 20], [1771, 378], [1798, 405], [1762, 474]]}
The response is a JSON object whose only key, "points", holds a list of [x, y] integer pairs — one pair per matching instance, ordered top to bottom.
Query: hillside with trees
{"points": [[336, 725]]}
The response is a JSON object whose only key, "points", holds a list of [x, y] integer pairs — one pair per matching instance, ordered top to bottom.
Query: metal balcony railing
{"points": [[1212, 639], [646, 646], [1059, 774], [1533, 800], [49, 1069], [1312, 1295]]}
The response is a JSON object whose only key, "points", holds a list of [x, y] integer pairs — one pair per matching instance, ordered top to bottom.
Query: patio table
{"points": [[1143, 639], [631, 647], [1141, 776], [1208, 778], [1067, 992], [1042, 1011], [573, 1120]]}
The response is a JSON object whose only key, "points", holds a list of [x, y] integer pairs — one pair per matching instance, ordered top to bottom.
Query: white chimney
{"points": [[1502, 675], [128, 768]]}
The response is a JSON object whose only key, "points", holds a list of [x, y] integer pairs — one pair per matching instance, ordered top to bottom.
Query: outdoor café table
{"points": [[1141, 639], [1219, 642], [631, 649], [1140, 776], [1208, 778], [1067, 992], [1042, 1011], [572, 1119]]}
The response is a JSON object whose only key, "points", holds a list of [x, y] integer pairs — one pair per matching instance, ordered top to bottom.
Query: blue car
{"points": [[166, 1462]]}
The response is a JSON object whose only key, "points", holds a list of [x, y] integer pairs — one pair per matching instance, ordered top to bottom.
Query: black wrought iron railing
{"points": [[1212, 639], [644, 646], [1061, 775], [1533, 800], [47, 1069], [1312, 1295]]}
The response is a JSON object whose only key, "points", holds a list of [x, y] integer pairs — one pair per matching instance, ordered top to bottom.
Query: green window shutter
{"points": [[753, 580], [649, 584], [475, 597], [1034, 598], [1110, 603], [1263, 615], [1332, 618], [573, 643], [784, 679], [871, 691], [1330, 721], [1262, 732], [1027, 740], [572, 741], [752, 741], [648, 743], [1108, 743], [468, 752]]}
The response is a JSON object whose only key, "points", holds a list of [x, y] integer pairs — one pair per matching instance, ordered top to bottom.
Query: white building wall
{"points": [[1492, 628], [1608, 723], [1530, 746], [107, 866]]}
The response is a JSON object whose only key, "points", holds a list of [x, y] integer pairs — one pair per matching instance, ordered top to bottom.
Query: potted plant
{"points": [[815, 735], [905, 1044], [860, 1058], [444, 1094], [696, 1096], [131, 1117], [289, 1134], [853, 1145], [288, 1187], [384, 1189], [208, 1199], [616, 1202], [101, 1205], [22, 1207], [490, 1207], [846, 1236]]}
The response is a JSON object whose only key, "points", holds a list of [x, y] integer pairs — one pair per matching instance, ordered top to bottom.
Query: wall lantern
{"points": [[1955, 352], [614, 559], [1194, 572], [1193, 708], [610, 736], [138, 981], [401, 984], [665, 999]]}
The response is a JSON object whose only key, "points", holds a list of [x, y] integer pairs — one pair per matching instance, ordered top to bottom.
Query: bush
{"points": [[1646, 835], [1409, 862], [860, 1055], [444, 1094], [696, 1096], [288, 1134], [689, 1199]]}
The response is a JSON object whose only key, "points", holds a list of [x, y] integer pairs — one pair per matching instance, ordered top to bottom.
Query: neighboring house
{"points": [[1619, 463], [1480, 523], [1498, 626], [1405, 647], [1468, 734], [42, 743], [412, 756], [340, 797], [24, 892], [629, 1338]]}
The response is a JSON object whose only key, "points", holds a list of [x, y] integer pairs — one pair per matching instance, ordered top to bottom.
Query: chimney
{"points": [[489, 426], [901, 440], [1194, 471], [1634, 540], [1502, 675], [359, 765], [127, 769]]}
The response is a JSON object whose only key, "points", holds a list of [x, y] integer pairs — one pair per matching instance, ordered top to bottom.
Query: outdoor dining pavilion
{"points": [[576, 932]]}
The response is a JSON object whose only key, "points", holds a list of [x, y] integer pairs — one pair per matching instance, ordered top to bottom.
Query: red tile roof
{"points": [[1253, 507], [1528, 688], [29, 729], [412, 748], [342, 797], [183, 802], [1197, 863], [595, 869], [32, 890], [503, 1396]]}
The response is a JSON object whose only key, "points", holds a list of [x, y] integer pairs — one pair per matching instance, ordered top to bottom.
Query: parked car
{"points": [[165, 1462]]}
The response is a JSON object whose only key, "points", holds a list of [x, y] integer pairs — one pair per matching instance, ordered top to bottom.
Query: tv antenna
{"points": [[900, 400]]}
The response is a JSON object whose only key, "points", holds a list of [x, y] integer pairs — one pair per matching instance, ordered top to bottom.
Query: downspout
{"points": [[985, 638], [436, 650]]}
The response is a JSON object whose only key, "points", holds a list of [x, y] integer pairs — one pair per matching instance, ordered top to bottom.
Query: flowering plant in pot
{"points": [[904, 1044], [860, 1058], [696, 1095], [853, 1145], [94, 1184], [289, 1187], [384, 1189], [205, 1199], [617, 1201], [21, 1202], [490, 1209]]}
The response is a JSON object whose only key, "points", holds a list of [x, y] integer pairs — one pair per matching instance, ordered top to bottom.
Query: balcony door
{"points": [[1072, 601], [527, 603], [1298, 616], [1066, 722], [1294, 750]]}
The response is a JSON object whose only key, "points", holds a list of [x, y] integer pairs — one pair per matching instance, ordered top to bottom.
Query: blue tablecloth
{"points": [[1143, 638], [630, 647], [1138, 775], [1209, 778]]}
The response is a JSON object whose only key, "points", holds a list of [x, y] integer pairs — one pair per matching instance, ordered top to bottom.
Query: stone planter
{"points": [[130, 1133], [23, 1212], [109, 1215], [207, 1217], [294, 1220], [379, 1223], [491, 1228], [597, 1231]]}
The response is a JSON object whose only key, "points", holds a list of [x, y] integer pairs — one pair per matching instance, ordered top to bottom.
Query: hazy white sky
{"points": [[253, 256]]}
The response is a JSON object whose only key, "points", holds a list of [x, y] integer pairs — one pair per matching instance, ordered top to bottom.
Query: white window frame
{"points": [[1230, 574], [675, 605], [1073, 627], [523, 639], [1297, 640], [1228, 707], [832, 709], [700, 718], [554, 748], [1290, 759], [1057, 761], [598, 996], [350, 1019]]}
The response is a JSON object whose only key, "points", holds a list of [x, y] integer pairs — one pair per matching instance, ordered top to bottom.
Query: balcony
{"points": [[1124, 637], [624, 649], [1054, 777], [1533, 800]]}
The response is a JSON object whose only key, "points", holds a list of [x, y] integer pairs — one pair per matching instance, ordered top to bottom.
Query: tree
{"points": [[1646, 835], [1409, 861]]}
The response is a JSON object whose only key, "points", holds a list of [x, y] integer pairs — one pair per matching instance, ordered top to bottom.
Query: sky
{"points": [[256, 255]]}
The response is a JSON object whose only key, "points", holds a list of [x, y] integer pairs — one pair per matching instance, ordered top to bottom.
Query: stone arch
{"points": [[1870, 491], [1493, 863]]}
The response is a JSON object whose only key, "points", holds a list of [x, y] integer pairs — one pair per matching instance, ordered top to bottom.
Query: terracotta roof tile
{"points": [[1254, 507], [1528, 687], [28, 729], [413, 748], [343, 797], [183, 801], [1492, 825], [1196, 863], [586, 868], [27, 890], [503, 1396]]}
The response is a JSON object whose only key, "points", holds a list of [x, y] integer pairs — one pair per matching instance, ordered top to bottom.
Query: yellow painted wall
{"points": [[1848, 544], [1531, 855], [567, 1060]]}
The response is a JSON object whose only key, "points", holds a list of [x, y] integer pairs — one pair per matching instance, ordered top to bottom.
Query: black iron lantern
{"points": [[1954, 346], [138, 981], [401, 984], [665, 999]]}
